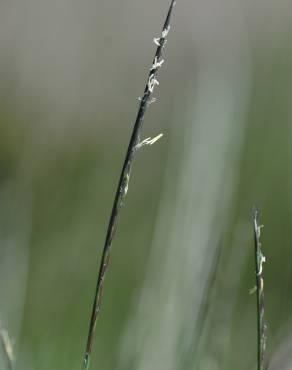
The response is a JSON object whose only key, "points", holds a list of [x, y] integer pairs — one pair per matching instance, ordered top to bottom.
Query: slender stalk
{"points": [[123, 183], [261, 325]]}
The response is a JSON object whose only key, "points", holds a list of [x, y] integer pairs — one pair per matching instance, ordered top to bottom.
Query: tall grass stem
{"points": [[123, 183], [261, 325]]}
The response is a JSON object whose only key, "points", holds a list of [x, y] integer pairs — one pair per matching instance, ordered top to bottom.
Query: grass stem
{"points": [[123, 183], [261, 325]]}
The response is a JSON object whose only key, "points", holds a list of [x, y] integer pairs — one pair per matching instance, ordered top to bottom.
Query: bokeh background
{"points": [[176, 293]]}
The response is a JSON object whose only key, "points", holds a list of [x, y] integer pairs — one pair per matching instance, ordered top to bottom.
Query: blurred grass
{"points": [[69, 182]]}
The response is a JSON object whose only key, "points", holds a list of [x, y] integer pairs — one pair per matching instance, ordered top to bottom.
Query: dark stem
{"points": [[123, 183], [261, 325]]}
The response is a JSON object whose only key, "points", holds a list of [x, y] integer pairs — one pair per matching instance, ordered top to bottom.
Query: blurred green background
{"points": [[176, 292]]}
